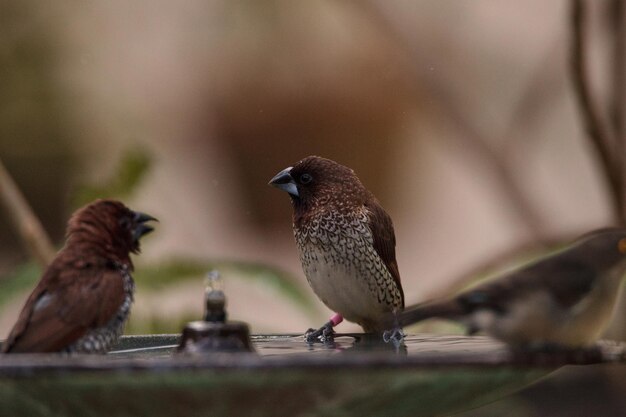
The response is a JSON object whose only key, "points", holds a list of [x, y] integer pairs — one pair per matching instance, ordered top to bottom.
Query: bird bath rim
{"points": [[436, 375]]}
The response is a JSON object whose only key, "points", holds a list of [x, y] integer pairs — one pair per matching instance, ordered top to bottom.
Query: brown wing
{"points": [[384, 239], [567, 280], [66, 303]]}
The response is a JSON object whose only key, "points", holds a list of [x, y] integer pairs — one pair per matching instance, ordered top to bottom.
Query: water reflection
{"points": [[342, 343], [160, 346], [268, 346]]}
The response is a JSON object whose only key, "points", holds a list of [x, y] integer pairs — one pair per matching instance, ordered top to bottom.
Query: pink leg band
{"points": [[336, 319]]}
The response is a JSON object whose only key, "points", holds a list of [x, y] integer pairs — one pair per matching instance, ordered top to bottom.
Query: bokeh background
{"points": [[460, 116]]}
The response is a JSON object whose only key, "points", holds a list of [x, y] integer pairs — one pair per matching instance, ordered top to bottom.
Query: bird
{"points": [[346, 244], [83, 299], [564, 300]]}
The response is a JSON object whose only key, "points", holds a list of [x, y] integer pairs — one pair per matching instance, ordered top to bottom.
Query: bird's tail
{"points": [[447, 309]]}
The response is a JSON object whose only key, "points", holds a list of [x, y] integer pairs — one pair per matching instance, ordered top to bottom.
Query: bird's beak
{"points": [[284, 181], [143, 217], [142, 229]]}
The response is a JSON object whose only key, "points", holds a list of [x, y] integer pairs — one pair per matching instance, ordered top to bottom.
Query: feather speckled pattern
{"points": [[345, 239], [84, 297], [564, 299]]}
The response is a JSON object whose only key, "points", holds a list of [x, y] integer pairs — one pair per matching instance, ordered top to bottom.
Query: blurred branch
{"points": [[617, 16], [537, 98], [599, 135], [470, 138], [480, 148], [34, 237], [509, 257]]}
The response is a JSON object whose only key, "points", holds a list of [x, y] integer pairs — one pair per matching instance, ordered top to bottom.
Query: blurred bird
{"points": [[346, 243], [83, 299], [563, 300]]}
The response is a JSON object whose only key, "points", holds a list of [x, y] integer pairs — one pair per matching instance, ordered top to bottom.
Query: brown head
{"points": [[315, 182], [107, 228]]}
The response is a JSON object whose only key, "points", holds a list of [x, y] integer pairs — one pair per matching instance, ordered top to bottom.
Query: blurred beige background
{"points": [[458, 115]]}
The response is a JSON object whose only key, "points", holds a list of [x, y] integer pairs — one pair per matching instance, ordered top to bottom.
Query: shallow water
{"points": [[294, 346]]}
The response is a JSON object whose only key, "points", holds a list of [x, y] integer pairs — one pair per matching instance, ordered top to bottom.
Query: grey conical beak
{"points": [[284, 181], [143, 217], [142, 229]]}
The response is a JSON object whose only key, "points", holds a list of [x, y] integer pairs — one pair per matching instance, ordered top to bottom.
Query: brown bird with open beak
{"points": [[346, 243], [84, 296], [563, 300]]}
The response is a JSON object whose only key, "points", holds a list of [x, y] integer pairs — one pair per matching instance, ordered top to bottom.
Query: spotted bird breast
{"points": [[343, 268], [102, 339]]}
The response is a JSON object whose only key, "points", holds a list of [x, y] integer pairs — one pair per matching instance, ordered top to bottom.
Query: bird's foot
{"points": [[324, 334], [395, 336]]}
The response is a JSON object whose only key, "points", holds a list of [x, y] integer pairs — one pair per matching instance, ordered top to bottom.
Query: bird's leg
{"points": [[324, 334], [395, 335]]}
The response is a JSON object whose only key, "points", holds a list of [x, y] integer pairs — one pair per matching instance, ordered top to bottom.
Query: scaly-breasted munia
{"points": [[346, 243], [84, 297], [565, 299]]}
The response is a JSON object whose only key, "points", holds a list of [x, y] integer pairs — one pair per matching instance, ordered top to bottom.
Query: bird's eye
{"points": [[306, 178], [125, 223]]}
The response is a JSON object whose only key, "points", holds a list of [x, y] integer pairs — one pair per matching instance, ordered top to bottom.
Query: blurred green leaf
{"points": [[132, 168], [160, 275], [21, 279], [158, 325]]}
